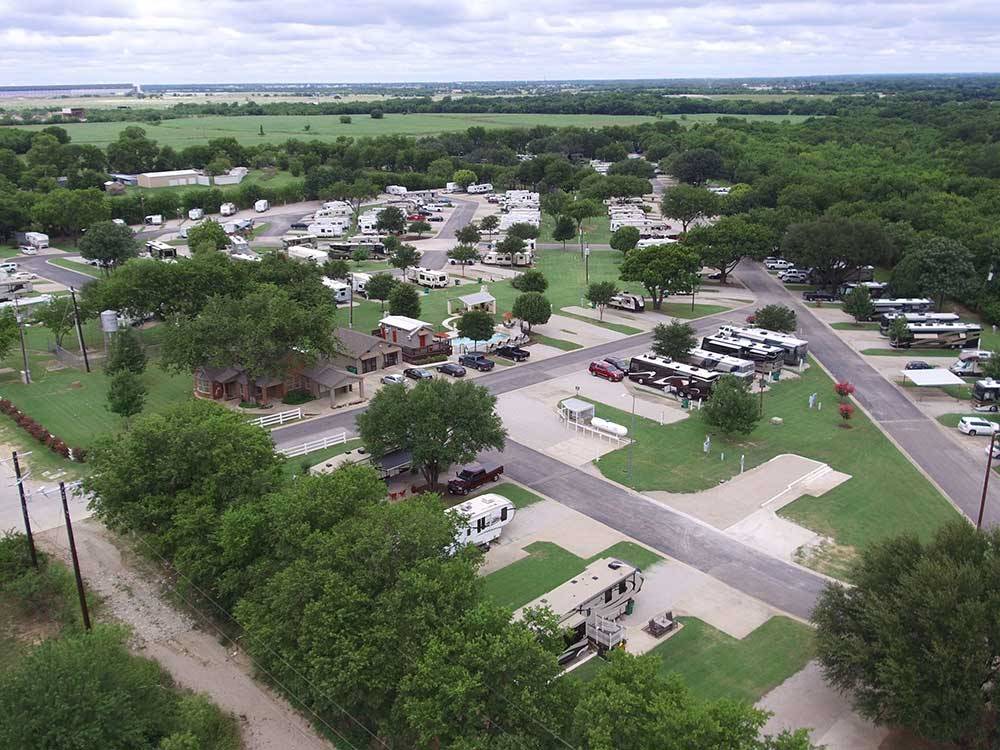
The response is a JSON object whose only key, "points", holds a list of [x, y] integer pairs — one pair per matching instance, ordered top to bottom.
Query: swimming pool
{"points": [[461, 344]]}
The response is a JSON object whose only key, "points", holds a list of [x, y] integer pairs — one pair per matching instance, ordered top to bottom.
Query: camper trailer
{"points": [[482, 187], [395, 190], [261, 206], [335, 208], [227, 209], [195, 214], [153, 220], [326, 229], [37, 240], [298, 240], [238, 244], [161, 250], [307, 255], [494, 258], [427, 277], [358, 281], [341, 290], [626, 301], [795, 350], [723, 363], [686, 381], [482, 519]]}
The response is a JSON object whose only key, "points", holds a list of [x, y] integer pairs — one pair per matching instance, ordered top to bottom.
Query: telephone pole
{"points": [[79, 329], [24, 351], [986, 480], [24, 511], [76, 561]]}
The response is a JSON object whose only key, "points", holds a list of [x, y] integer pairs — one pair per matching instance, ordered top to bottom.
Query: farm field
{"points": [[278, 128]]}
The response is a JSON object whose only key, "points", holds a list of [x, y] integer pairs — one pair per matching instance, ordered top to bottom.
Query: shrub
{"points": [[844, 389], [297, 396], [846, 411]]}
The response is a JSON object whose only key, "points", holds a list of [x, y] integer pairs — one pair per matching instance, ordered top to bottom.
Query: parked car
{"points": [[415, 217], [435, 218], [300, 226], [27, 250], [777, 264], [794, 276], [818, 295], [514, 353], [477, 361], [618, 363], [918, 364], [450, 368], [606, 371], [418, 373], [392, 378], [977, 426], [473, 476]]}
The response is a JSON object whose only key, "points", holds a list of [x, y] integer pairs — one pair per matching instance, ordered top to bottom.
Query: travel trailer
{"points": [[482, 187], [395, 190], [261, 206], [227, 209], [196, 213], [153, 220], [326, 230], [37, 240], [307, 254], [493, 258], [427, 277], [358, 281], [341, 290], [626, 301], [685, 380], [482, 519]]}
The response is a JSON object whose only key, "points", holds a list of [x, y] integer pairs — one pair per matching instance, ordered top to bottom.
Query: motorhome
{"points": [[482, 187], [336, 208], [227, 209], [196, 213], [153, 220], [327, 230], [298, 240], [161, 250], [307, 255], [427, 277], [358, 282], [875, 288], [341, 290], [627, 301], [902, 304], [929, 317], [941, 336], [795, 350], [766, 358], [970, 362], [724, 363], [672, 377], [986, 395], [482, 519], [605, 589]]}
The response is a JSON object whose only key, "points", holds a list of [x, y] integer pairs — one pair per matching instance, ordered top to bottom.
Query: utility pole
{"points": [[586, 261], [79, 329], [24, 351], [762, 384], [631, 439], [986, 481], [24, 511], [76, 561]]}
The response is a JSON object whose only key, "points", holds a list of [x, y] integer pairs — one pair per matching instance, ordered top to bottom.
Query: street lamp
{"points": [[586, 263], [986, 480]]}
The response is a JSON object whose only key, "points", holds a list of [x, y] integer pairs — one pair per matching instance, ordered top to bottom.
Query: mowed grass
{"points": [[279, 128], [596, 231], [72, 265], [911, 353], [951, 420], [300, 465], [885, 496], [521, 497], [548, 565], [716, 665]]}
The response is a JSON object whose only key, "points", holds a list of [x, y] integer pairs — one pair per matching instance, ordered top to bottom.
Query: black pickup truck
{"points": [[472, 477]]}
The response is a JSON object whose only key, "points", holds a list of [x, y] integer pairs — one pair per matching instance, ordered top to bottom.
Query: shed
{"points": [[481, 300], [937, 377], [577, 410]]}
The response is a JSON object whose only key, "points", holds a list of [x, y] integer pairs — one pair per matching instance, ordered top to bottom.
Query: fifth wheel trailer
{"points": [[482, 519]]}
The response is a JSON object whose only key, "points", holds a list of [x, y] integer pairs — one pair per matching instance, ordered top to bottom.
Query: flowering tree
{"points": [[844, 389], [846, 412]]}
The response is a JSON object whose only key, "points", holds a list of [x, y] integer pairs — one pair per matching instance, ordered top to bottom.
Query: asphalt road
{"points": [[460, 216], [38, 264], [954, 470]]}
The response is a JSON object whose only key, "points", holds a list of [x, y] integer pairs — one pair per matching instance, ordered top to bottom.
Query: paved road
{"points": [[460, 217], [39, 265], [957, 472]]}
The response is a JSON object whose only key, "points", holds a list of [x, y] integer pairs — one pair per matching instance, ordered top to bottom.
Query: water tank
{"points": [[109, 321]]}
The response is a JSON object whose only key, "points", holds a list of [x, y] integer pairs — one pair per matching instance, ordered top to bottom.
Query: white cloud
{"points": [[150, 41]]}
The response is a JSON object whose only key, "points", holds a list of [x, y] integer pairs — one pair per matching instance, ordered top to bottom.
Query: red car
{"points": [[415, 217], [606, 371]]}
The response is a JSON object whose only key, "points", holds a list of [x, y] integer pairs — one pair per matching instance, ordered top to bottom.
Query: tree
{"points": [[376, 114], [345, 119], [133, 152], [219, 165], [696, 165], [463, 178], [355, 193], [688, 203], [64, 211], [579, 211], [391, 220], [489, 224], [419, 227], [564, 229], [524, 230], [210, 233], [468, 235], [624, 239], [731, 239], [109, 244], [511, 244], [834, 247], [360, 254], [464, 254], [403, 257], [939, 268], [336, 269], [662, 269], [531, 280], [380, 286], [599, 294], [404, 299], [858, 304], [532, 308], [56, 315], [775, 318], [476, 325], [9, 332], [258, 332], [899, 332], [674, 340], [125, 353], [991, 368], [126, 394], [731, 407], [846, 411], [458, 420], [914, 639]]}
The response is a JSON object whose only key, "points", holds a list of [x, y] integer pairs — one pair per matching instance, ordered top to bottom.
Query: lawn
{"points": [[279, 128], [596, 231], [9, 252], [73, 265], [845, 326], [624, 330], [566, 346], [911, 353], [951, 420], [671, 458], [300, 465], [521, 497], [549, 566], [715, 665]]}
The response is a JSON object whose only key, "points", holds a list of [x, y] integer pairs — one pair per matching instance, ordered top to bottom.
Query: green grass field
{"points": [[278, 128], [596, 231], [73, 265], [855, 326], [911, 353], [670, 458], [300, 465], [521, 497], [549, 566], [715, 665]]}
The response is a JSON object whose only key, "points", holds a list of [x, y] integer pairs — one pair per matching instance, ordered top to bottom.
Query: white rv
{"points": [[451, 187], [482, 187], [395, 190], [261, 206], [336, 208], [227, 209], [196, 213], [153, 220], [367, 222], [326, 230], [37, 240], [298, 240], [238, 244], [161, 250], [308, 255], [493, 258], [427, 277], [358, 282], [341, 290], [627, 301], [970, 362], [482, 519]]}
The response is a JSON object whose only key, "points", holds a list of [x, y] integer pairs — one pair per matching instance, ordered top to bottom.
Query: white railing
{"points": [[279, 418], [589, 429], [313, 445]]}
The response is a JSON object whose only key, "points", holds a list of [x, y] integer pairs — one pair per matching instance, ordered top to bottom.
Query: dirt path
{"points": [[196, 658]]}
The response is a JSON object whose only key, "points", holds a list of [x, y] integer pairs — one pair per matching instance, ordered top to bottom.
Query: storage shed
{"points": [[577, 410]]}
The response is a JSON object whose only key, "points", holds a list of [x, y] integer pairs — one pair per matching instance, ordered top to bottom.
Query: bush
{"points": [[345, 119], [775, 318], [297, 396], [731, 407], [46, 593]]}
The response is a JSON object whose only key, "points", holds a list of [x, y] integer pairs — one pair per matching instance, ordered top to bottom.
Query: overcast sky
{"points": [[180, 41]]}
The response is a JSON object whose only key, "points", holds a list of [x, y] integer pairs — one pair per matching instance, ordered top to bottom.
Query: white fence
{"points": [[279, 418], [589, 429], [313, 445]]}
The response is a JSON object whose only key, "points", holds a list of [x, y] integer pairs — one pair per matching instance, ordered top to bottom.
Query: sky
{"points": [[243, 41]]}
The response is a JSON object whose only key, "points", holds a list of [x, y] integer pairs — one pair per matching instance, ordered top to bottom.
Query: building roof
{"points": [[171, 173], [477, 298], [404, 323], [357, 343], [221, 374], [330, 376], [936, 377], [577, 406]]}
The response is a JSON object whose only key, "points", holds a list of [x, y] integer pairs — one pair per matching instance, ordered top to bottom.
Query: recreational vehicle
{"points": [[483, 187], [395, 190], [261, 206], [336, 208], [227, 209], [196, 213], [153, 220], [327, 229], [298, 240], [652, 242], [238, 244], [161, 250], [307, 254], [493, 258], [427, 277], [358, 282], [875, 288], [341, 290], [626, 301], [908, 305], [929, 317], [941, 336], [795, 350], [766, 358], [970, 362], [727, 365], [672, 377], [986, 395], [481, 519]]}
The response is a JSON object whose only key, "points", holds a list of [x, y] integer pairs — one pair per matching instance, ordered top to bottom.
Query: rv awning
{"points": [[936, 377]]}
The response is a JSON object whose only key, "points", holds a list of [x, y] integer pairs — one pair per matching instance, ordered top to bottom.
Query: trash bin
{"points": [[776, 375], [685, 403], [630, 607]]}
